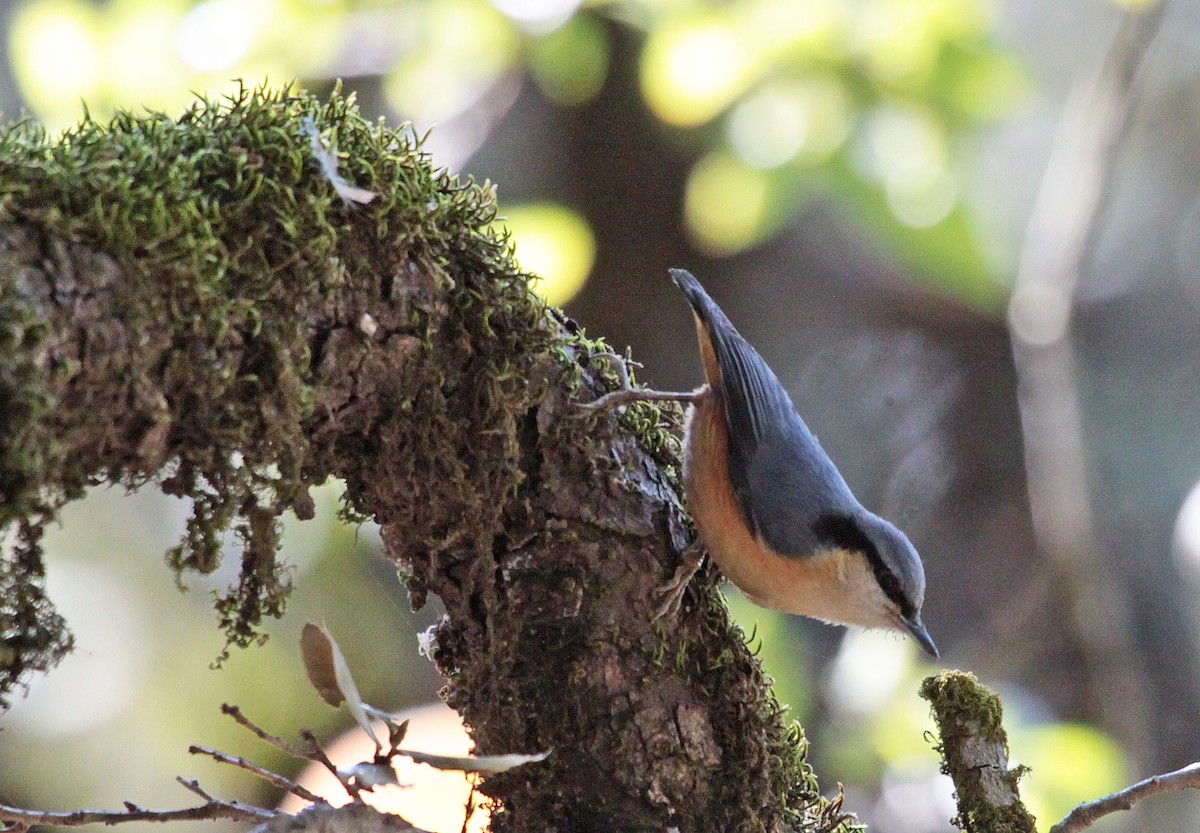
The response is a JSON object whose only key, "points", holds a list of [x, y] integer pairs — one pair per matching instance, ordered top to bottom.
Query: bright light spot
{"points": [[538, 16], [786, 28], [216, 35], [902, 40], [895, 45], [464, 49], [54, 55], [570, 63], [142, 64], [690, 73], [783, 120], [769, 128], [905, 142], [908, 152], [921, 203], [725, 204], [554, 243], [1039, 314], [1187, 534], [868, 669], [102, 678], [1067, 762], [434, 800]]}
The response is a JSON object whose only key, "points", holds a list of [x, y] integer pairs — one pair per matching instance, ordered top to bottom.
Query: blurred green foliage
{"points": [[870, 104], [115, 719], [1069, 763]]}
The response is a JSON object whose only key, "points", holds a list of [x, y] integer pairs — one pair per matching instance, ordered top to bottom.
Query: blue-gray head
{"points": [[893, 596]]}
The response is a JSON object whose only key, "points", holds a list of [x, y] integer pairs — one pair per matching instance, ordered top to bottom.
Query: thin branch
{"points": [[627, 393], [625, 396], [262, 734], [317, 754], [266, 774], [192, 786], [213, 809], [1086, 814]]}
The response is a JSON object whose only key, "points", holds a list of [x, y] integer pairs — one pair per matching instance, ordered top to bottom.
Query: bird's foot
{"points": [[671, 592]]}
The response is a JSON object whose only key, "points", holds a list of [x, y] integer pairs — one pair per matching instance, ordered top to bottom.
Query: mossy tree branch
{"points": [[186, 302], [974, 750]]}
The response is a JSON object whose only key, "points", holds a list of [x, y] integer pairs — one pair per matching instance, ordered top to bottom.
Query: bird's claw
{"points": [[671, 592]]}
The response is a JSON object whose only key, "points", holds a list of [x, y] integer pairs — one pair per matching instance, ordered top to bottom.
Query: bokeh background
{"points": [[965, 233]]}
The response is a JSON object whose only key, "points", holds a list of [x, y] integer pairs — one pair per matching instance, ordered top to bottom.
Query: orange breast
{"points": [[811, 585]]}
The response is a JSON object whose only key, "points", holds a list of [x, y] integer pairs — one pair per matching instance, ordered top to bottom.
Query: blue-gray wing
{"points": [[782, 477], [792, 486]]}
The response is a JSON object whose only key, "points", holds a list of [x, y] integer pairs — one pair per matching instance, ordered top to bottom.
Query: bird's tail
{"points": [[705, 307], [712, 327], [755, 401]]}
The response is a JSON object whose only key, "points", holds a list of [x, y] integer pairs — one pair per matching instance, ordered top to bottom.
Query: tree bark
{"points": [[187, 302]]}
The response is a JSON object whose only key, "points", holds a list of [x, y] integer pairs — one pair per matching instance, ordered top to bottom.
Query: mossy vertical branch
{"points": [[974, 750]]}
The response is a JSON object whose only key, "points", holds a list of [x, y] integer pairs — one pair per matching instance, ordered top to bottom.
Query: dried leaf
{"points": [[317, 650], [330, 674], [485, 764]]}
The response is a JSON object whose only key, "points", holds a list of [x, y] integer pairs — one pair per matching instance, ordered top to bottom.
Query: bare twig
{"points": [[627, 393], [625, 396], [278, 742], [316, 753], [266, 774], [192, 786], [212, 809], [1085, 814], [17, 820]]}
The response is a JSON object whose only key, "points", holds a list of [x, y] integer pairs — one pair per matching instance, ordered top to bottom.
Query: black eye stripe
{"points": [[844, 532]]}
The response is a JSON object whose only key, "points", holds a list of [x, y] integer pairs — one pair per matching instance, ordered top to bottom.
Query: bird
{"points": [[770, 507]]}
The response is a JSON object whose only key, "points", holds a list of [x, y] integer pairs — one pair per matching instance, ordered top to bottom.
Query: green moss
{"points": [[229, 242], [959, 694], [970, 722]]}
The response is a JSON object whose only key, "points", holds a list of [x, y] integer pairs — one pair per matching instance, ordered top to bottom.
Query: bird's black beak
{"points": [[913, 623]]}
